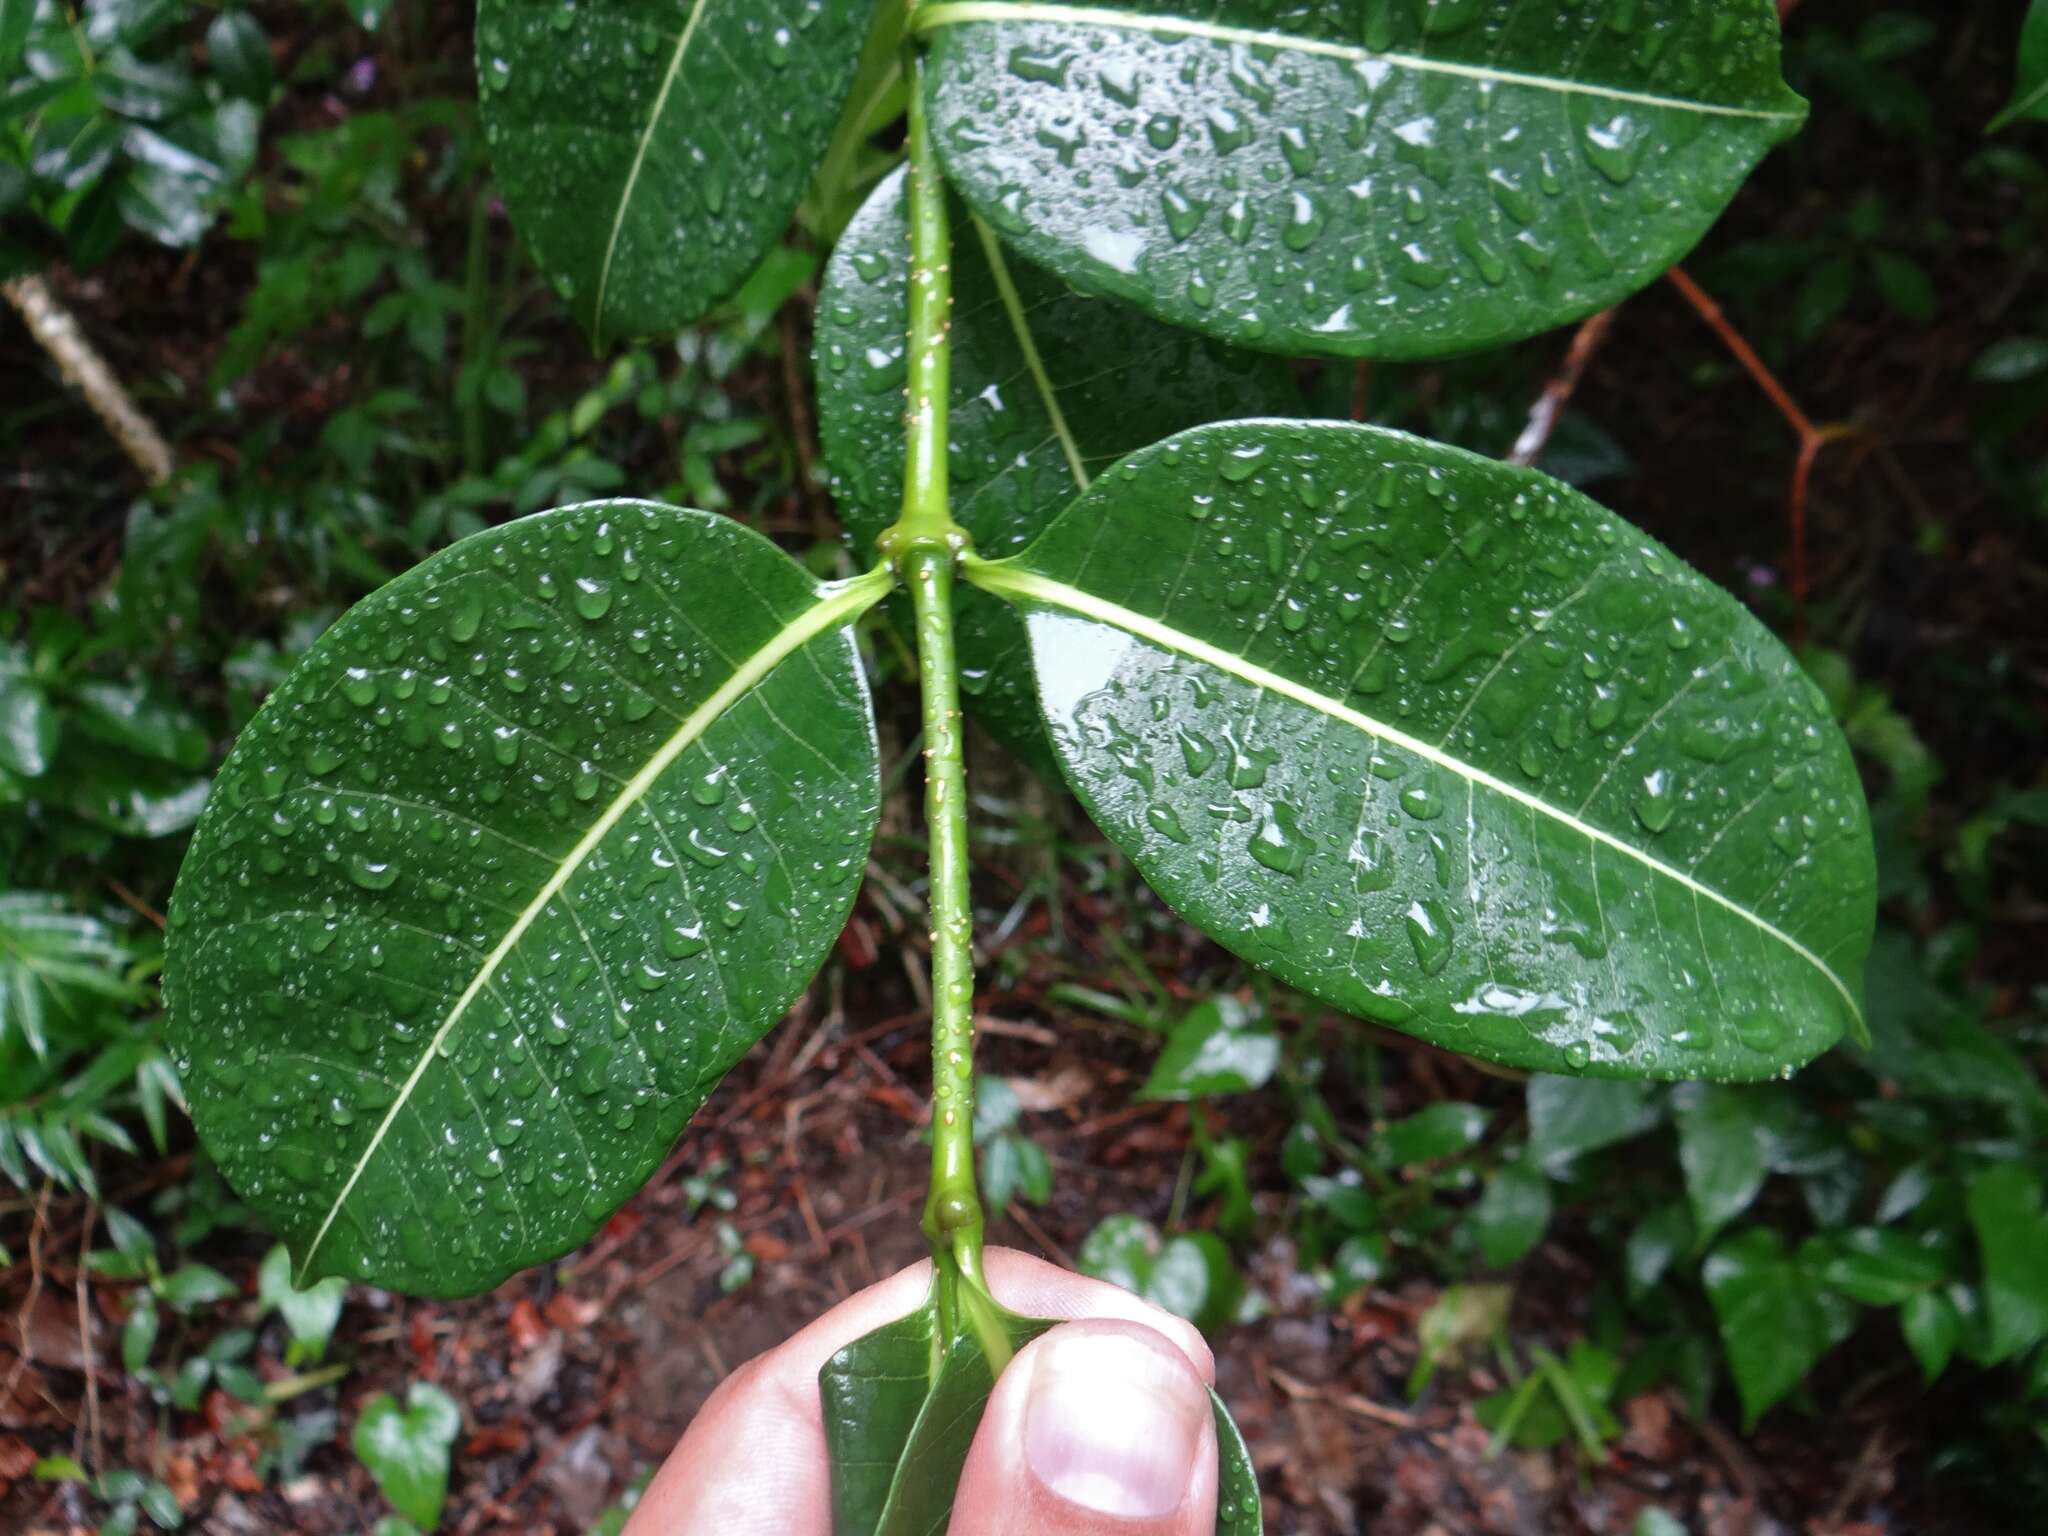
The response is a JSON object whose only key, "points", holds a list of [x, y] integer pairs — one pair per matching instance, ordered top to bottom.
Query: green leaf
{"points": [[240, 55], [2030, 89], [651, 151], [1398, 180], [2013, 360], [1048, 390], [29, 727], [1442, 743], [524, 855], [1223, 1045], [1571, 1116], [1440, 1131], [1723, 1146], [1512, 1213], [2012, 1233], [1880, 1267], [1191, 1275], [195, 1285], [310, 1314], [1776, 1317], [1932, 1327], [900, 1419], [407, 1450]]}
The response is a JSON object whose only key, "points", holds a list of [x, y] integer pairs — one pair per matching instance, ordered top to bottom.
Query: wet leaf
{"points": [[651, 151], [1387, 180], [1048, 390], [1447, 745], [528, 850], [1223, 1045], [1724, 1148], [2012, 1233], [1777, 1318], [899, 1422], [407, 1449]]}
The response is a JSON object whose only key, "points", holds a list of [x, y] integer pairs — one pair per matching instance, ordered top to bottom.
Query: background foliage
{"points": [[277, 220]]}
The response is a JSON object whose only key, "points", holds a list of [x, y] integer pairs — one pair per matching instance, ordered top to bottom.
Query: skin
{"points": [[1085, 1435]]}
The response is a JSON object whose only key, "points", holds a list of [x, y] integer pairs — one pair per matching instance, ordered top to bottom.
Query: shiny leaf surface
{"points": [[2030, 84], [651, 151], [1393, 179], [1049, 389], [1447, 745], [525, 854], [899, 1423]]}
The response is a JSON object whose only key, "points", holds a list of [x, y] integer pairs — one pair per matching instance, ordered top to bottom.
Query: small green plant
{"points": [[538, 840], [407, 1450]]}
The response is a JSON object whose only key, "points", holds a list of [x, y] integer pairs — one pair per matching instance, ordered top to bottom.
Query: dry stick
{"points": [[82, 367], [1557, 394], [85, 1345]]}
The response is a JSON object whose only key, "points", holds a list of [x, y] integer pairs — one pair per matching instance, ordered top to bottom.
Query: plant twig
{"points": [[56, 330], [1545, 414], [1811, 438]]}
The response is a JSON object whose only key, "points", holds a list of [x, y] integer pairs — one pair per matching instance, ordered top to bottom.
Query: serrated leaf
{"points": [[651, 151], [1391, 180], [1048, 390], [1445, 744], [524, 855], [900, 1419]]}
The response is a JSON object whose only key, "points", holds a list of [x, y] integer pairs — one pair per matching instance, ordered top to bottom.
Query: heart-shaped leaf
{"points": [[651, 151], [1386, 179], [1048, 390], [1445, 744], [525, 854], [1191, 1275], [900, 1417], [407, 1449]]}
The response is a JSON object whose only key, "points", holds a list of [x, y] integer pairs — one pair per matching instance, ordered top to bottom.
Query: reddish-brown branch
{"points": [[1557, 394], [1811, 438]]}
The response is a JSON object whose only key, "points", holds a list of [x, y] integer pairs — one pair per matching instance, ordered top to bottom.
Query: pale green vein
{"points": [[948, 13], [668, 84], [1013, 305], [1015, 583], [837, 605]]}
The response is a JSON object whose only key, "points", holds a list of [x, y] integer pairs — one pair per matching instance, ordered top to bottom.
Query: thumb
{"points": [[1098, 1427]]}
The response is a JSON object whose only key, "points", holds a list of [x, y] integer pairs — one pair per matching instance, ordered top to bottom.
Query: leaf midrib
{"points": [[930, 17], [611, 247], [1006, 579], [836, 606]]}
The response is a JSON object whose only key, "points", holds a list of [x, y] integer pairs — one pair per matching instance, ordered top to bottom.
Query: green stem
{"points": [[927, 517], [926, 546], [953, 1218]]}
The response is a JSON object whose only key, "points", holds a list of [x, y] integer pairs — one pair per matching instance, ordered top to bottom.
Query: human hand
{"points": [[1101, 1427]]}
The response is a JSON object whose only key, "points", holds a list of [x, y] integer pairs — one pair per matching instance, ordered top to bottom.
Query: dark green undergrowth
{"points": [[320, 302]]}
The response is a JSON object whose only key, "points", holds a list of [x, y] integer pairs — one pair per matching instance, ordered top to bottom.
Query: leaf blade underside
{"points": [[1446, 745], [493, 891]]}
